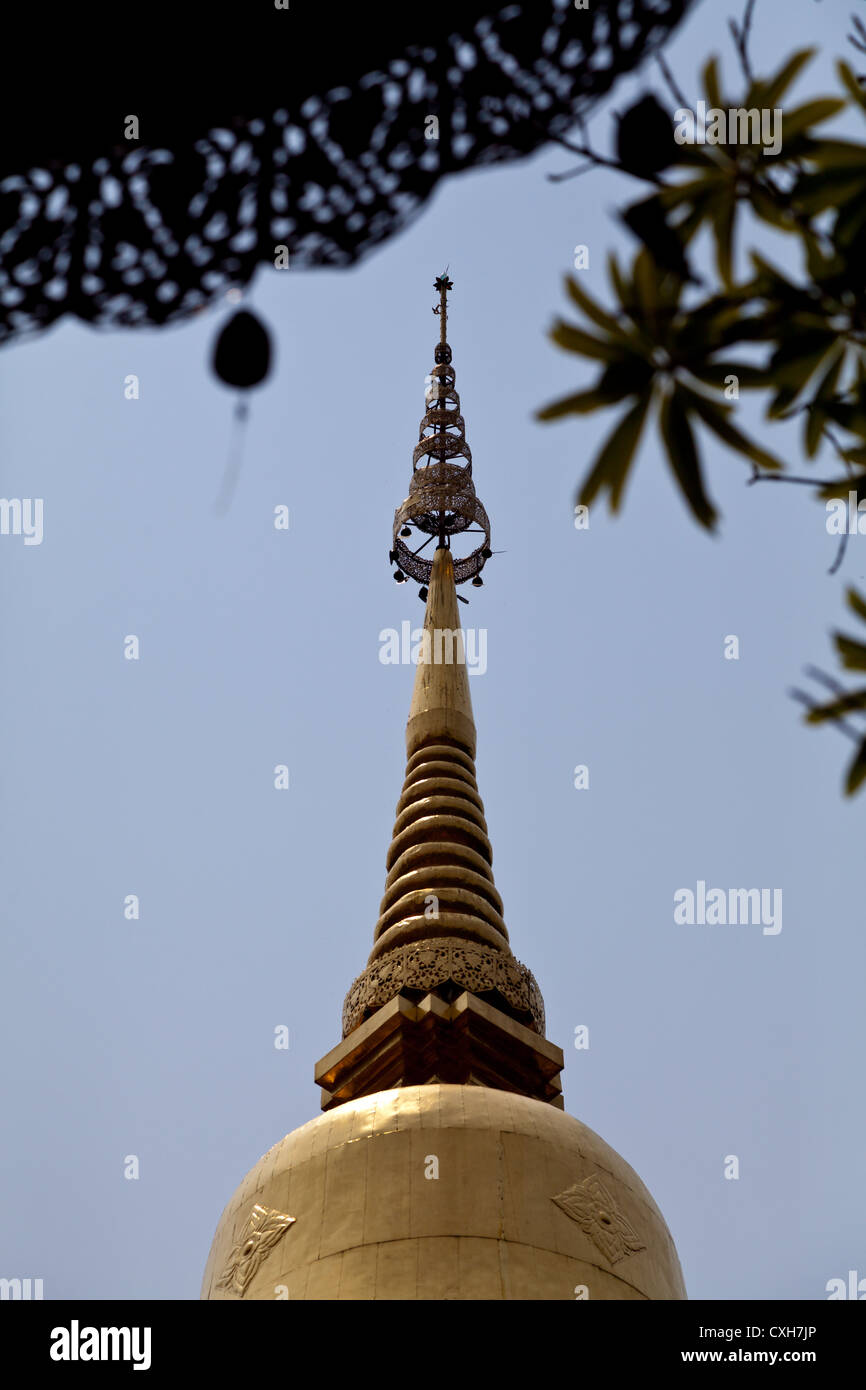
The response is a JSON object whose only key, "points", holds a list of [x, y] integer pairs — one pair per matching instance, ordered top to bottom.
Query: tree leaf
{"points": [[710, 78], [849, 81], [771, 90], [809, 114], [831, 153], [817, 192], [768, 209], [723, 228], [619, 283], [593, 310], [585, 344], [793, 365], [582, 403], [815, 413], [851, 416], [716, 417], [683, 457], [614, 459], [856, 602], [853, 653], [837, 709], [856, 771]]}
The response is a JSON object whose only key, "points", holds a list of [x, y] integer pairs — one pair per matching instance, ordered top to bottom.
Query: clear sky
{"points": [[258, 647]]}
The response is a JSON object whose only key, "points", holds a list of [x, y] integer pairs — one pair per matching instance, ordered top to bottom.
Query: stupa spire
{"points": [[442, 997]]}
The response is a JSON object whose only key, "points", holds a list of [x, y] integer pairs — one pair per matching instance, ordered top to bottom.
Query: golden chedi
{"points": [[444, 1165]]}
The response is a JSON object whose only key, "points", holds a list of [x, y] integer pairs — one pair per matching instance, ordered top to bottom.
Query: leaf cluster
{"points": [[674, 352]]}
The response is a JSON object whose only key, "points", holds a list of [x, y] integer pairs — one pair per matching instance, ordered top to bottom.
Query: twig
{"points": [[741, 38], [860, 42], [669, 78], [598, 159], [570, 173], [828, 434], [758, 477], [843, 539], [840, 553]]}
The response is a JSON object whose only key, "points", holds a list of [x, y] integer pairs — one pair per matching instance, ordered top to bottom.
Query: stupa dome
{"points": [[442, 1192]]}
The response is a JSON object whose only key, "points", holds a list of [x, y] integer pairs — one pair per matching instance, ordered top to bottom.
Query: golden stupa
{"points": [[444, 1165]]}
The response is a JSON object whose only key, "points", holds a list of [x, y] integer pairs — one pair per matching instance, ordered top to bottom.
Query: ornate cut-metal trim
{"points": [[149, 234], [426, 964], [590, 1204], [263, 1230]]}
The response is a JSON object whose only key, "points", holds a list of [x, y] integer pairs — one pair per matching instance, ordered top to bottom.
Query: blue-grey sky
{"points": [[258, 647]]}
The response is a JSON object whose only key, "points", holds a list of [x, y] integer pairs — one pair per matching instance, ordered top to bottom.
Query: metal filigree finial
{"points": [[442, 285], [442, 501]]}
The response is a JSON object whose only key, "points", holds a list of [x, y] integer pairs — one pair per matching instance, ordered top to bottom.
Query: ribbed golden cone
{"points": [[440, 857]]}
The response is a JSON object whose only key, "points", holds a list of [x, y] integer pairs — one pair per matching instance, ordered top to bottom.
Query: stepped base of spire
{"points": [[465, 1042]]}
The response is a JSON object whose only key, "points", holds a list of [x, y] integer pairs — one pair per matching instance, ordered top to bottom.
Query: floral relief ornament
{"points": [[590, 1204], [263, 1230]]}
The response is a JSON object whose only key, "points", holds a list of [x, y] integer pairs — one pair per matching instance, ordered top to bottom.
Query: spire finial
{"points": [[442, 285], [442, 502]]}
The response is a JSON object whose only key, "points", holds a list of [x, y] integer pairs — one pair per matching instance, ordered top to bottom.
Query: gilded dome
{"points": [[442, 1192]]}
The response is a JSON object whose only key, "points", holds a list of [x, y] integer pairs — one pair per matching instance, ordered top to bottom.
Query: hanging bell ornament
{"points": [[242, 352]]}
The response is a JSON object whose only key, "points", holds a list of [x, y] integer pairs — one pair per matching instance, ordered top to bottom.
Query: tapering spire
{"points": [[440, 876], [442, 997]]}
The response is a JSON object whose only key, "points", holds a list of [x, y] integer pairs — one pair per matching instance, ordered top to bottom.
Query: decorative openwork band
{"points": [[424, 965]]}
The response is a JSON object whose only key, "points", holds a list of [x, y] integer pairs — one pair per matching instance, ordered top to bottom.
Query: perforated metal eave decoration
{"points": [[345, 146], [442, 503]]}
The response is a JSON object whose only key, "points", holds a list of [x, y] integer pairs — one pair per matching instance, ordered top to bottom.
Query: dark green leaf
{"points": [[710, 79], [850, 82], [771, 90], [809, 114], [815, 193], [723, 228], [593, 311], [585, 344], [582, 403], [816, 415], [850, 416], [717, 418], [683, 457], [613, 461], [857, 603], [853, 653], [837, 709], [857, 771]]}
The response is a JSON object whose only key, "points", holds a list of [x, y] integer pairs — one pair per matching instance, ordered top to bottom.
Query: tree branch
{"points": [[741, 38], [669, 79], [596, 159], [758, 477]]}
